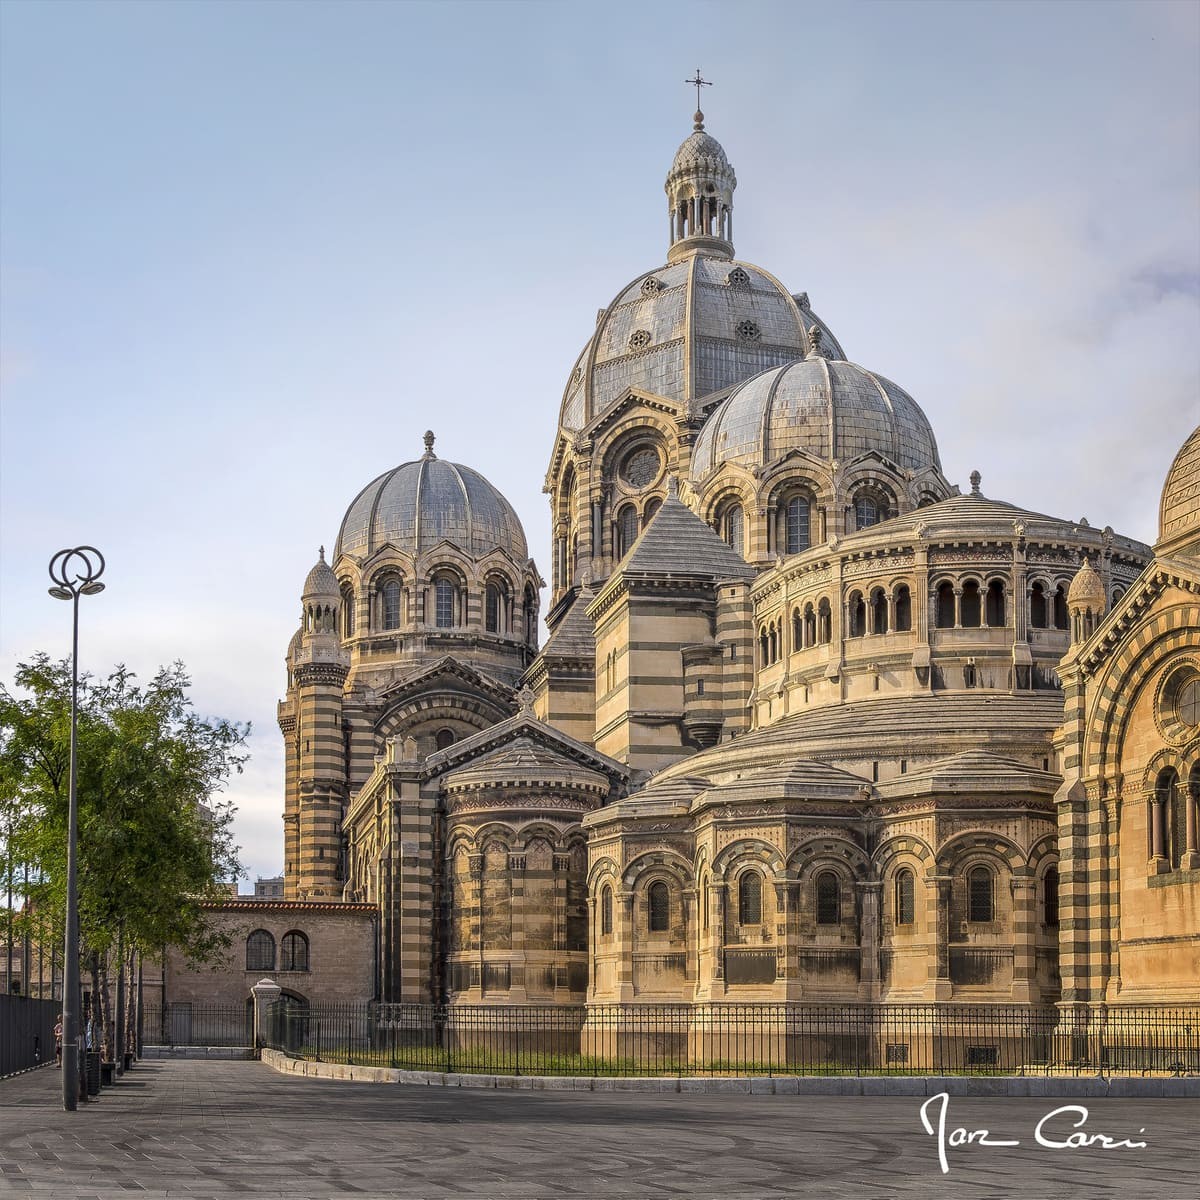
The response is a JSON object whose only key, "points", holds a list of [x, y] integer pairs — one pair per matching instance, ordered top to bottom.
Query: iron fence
{"points": [[185, 1024], [26, 1033], [736, 1039]]}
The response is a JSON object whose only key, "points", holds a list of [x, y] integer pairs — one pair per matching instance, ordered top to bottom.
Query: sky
{"points": [[249, 252]]}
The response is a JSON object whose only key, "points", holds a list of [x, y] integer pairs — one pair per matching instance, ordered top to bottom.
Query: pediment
{"points": [[631, 400]]}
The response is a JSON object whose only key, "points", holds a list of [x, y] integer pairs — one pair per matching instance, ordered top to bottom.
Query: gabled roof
{"points": [[677, 542], [446, 674], [544, 738], [526, 762]]}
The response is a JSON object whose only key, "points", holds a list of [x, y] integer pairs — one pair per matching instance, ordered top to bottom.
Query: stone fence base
{"points": [[780, 1085]]}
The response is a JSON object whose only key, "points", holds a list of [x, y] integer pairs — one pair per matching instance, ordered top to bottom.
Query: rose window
{"points": [[639, 340]]}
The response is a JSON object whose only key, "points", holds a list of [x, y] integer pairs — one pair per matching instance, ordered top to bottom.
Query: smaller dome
{"points": [[699, 150], [832, 410], [427, 501], [1179, 511], [321, 582], [1087, 588]]}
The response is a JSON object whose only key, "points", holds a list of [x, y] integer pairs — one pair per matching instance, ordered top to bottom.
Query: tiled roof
{"points": [[677, 542], [575, 635]]}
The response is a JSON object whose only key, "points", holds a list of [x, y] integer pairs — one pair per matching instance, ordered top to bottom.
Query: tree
{"points": [[155, 840]]}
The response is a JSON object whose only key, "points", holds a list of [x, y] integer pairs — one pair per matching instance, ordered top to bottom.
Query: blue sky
{"points": [[249, 252]]}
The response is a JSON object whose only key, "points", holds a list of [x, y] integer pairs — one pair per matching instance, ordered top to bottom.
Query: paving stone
{"points": [[183, 1129]]}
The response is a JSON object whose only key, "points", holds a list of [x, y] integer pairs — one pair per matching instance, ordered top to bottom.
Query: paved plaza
{"points": [[200, 1129]]}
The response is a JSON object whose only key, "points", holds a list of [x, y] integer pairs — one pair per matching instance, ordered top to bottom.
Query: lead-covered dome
{"points": [[688, 329], [833, 410], [419, 504], [1179, 511]]}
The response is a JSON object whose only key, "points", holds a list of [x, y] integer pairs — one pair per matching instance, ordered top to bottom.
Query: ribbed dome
{"points": [[699, 149], [688, 329], [833, 410], [421, 503], [1179, 512], [321, 582], [1087, 588]]}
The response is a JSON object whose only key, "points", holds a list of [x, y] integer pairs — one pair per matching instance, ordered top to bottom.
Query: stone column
{"points": [[958, 608], [1191, 855], [1158, 858], [1024, 925], [625, 947], [939, 964], [868, 976], [720, 987], [265, 992]]}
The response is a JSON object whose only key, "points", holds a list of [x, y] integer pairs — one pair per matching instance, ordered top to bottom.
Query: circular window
{"points": [[738, 278], [651, 286], [748, 331], [639, 340], [640, 467], [1177, 702], [1187, 705]]}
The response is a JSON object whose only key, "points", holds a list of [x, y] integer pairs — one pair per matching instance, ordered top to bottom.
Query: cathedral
{"points": [[810, 721]]}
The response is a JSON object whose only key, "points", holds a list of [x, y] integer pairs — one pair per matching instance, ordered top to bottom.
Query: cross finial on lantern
{"points": [[698, 83]]}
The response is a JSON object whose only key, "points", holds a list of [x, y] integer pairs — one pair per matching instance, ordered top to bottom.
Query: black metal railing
{"points": [[183, 1024], [26, 1033], [802, 1039]]}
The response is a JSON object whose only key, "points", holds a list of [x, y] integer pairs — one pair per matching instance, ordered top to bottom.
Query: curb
{"points": [[215, 1052], [1173, 1087]]}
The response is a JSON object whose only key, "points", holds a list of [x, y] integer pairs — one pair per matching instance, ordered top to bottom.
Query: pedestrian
{"points": [[58, 1037]]}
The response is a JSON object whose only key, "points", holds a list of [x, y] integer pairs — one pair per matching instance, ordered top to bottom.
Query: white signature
{"points": [[1048, 1132]]}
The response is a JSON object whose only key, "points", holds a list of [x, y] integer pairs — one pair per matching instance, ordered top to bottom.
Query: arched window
{"points": [[652, 506], [870, 507], [731, 525], [796, 525], [627, 529], [443, 594], [389, 604], [995, 604], [969, 605], [945, 606], [1037, 606], [493, 607], [1060, 608], [903, 609], [347, 610], [879, 611], [856, 612], [824, 623], [810, 625], [797, 630], [774, 640], [764, 648], [444, 739], [980, 895], [1050, 896], [750, 899], [829, 899], [659, 904], [906, 908], [606, 911], [260, 951], [293, 952]]}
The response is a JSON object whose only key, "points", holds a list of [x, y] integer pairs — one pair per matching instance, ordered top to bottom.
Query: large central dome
{"points": [[687, 329], [419, 504]]}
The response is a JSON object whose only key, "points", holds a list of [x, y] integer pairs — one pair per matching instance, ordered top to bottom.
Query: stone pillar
{"points": [[958, 608], [1158, 817], [1191, 855], [1024, 924], [625, 947], [939, 963], [868, 976], [720, 986], [265, 992]]}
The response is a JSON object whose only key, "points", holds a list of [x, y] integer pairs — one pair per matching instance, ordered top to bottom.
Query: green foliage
{"points": [[155, 841]]}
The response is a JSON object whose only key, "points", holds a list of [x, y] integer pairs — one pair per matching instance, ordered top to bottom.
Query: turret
{"points": [[1085, 602]]}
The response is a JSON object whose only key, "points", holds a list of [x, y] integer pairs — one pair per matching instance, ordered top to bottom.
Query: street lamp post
{"points": [[75, 573]]}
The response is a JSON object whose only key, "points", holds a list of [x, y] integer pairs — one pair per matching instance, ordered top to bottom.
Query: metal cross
{"points": [[698, 83]]}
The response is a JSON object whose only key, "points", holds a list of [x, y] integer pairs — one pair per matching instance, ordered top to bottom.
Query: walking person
{"points": [[58, 1037]]}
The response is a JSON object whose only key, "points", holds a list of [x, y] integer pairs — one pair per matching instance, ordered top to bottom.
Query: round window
{"points": [[748, 331], [639, 340], [640, 467], [1187, 707]]}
